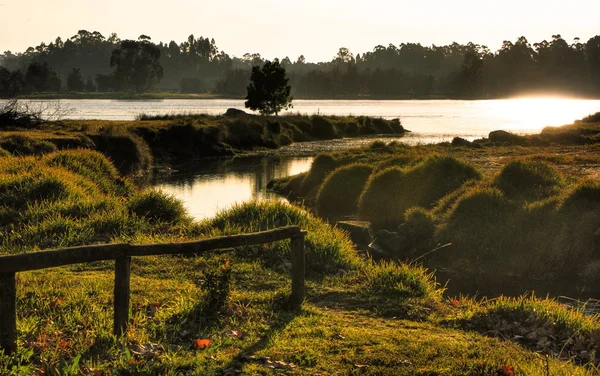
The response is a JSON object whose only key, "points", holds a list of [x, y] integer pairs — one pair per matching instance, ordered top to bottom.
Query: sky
{"points": [[313, 28]]}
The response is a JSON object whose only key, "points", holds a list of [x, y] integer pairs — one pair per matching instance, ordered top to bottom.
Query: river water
{"points": [[208, 187]]}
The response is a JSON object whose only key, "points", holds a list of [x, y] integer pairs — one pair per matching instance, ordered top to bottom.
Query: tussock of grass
{"points": [[321, 166], [529, 180], [391, 192], [339, 193], [586, 194], [158, 206], [327, 248], [392, 279], [540, 324]]}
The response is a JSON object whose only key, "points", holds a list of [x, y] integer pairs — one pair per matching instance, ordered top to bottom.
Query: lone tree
{"points": [[268, 91]]}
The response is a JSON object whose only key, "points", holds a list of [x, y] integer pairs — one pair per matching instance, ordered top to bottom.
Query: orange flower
{"points": [[455, 303], [202, 343], [63, 344]]}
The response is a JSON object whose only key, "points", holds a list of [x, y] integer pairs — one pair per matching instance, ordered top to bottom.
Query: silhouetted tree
{"points": [[593, 62], [137, 65], [40, 77], [75, 80], [11, 83], [89, 85], [268, 91]]}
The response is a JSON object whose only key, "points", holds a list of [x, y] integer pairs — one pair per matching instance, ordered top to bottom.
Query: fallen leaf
{"points": [[202, 343]]}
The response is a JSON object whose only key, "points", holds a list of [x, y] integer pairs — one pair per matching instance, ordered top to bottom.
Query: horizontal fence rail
{"points": [[122, 254]]}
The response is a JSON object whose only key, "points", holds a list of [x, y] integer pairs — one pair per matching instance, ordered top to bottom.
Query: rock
{"points": [[233, 112], [359, 231], [392, 241], [377, 251]]}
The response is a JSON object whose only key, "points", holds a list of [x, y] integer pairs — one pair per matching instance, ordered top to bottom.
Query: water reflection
{"points": [[210, 186]]}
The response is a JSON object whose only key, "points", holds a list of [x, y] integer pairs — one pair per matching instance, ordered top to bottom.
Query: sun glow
{"points": [[532, 114]]}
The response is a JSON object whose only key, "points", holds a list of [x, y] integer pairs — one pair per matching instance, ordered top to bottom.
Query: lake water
{"points": [[425, 117], [216, 185], [209, 186]]}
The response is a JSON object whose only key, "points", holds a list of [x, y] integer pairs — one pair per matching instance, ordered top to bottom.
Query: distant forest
{"points": [[90, 62]]}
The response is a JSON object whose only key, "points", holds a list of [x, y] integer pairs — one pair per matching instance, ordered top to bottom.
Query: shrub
{"points": [[382, 126], [274, 127], [322, 128], [244, 133], [529, 180], [391, 192], [339, 193], [157, 206]]}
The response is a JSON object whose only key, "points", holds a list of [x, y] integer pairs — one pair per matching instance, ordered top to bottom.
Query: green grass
{"points": [[529, 180], [389, 193], [338, 195], [360, 317]]}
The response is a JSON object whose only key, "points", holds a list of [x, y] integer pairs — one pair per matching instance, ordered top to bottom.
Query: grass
{"points": [[137, 146], [389, 193], [338, 195], [526, 213], [361, 317], [542, 325]]}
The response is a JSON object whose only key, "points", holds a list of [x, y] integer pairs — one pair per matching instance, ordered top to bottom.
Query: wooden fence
{"points": [[122, 254]]}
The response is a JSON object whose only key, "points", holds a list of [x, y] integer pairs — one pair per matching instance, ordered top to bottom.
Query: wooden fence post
{"points": [[298, 269], [121, 298], [8, 313]]}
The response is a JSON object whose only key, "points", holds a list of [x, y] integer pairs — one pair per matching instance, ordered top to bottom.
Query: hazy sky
{"points": [[315, 28]]}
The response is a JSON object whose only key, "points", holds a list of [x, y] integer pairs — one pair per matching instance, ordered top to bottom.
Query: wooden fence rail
{"points": [[122, 254]]}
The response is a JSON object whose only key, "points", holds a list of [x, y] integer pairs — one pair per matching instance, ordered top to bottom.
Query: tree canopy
{"points": [[137, 66], [403, 70], [268, 91]]}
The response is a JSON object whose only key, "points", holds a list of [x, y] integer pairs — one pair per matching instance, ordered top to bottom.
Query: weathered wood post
{"points": [[298, 269], [122, 291], [8, 313]]}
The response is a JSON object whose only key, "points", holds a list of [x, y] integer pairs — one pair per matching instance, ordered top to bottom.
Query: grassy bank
{"points": [[135, 146], [514, 208], [228, 311]]}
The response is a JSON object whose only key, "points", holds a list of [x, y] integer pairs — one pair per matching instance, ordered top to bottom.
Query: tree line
{"points": [[90, 62]]}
